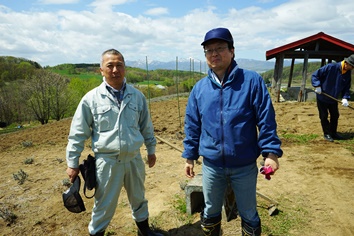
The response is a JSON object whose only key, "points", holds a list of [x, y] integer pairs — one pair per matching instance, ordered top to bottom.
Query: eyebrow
{"points": [[220, 44], [115, 63]]}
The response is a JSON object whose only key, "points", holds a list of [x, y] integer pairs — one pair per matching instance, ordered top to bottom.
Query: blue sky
{"points": [[53, 32]]}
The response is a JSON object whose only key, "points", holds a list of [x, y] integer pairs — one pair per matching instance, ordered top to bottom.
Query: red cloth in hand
{"points": [[266, 171]]}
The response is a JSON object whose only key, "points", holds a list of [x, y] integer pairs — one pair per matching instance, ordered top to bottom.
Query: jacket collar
{"points": [[228, 77], [104, 91]]}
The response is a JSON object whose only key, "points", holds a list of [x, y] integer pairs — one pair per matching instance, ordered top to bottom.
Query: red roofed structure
{"points": [[319, 46]]}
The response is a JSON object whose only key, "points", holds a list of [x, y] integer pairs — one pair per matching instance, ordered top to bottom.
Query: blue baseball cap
{"points": [[219, 33]]}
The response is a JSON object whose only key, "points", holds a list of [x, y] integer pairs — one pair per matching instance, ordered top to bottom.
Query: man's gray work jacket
{"points": [[114, 132]]}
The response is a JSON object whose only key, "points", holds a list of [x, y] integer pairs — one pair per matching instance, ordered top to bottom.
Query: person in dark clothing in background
{"points": [[334, 79]]}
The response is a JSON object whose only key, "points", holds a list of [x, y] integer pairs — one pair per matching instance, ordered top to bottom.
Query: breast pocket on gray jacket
{"points": [[131, 115], [105, 117]]}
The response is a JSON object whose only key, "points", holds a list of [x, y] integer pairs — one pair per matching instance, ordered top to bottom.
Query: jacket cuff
{"points": [[151, 150], [265, 155], [73, 163]]}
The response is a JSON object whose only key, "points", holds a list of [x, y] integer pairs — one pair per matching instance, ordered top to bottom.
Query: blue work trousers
{"points": [[243, 181]]}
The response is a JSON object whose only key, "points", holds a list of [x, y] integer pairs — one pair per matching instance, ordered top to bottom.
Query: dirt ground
{"points": [[315, 179]]}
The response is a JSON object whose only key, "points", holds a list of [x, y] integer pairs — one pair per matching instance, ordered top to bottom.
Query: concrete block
{"points": [[194, 195], [195, 199]]}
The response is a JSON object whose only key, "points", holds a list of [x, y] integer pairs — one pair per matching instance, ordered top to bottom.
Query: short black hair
{"points": [[111, 51]]}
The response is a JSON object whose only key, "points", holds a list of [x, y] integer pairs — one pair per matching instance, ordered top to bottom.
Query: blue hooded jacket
{"points": [[332, 82], [230, 125]]}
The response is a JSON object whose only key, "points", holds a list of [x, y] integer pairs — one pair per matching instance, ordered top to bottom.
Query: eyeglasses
{"points": [[217, 50]]}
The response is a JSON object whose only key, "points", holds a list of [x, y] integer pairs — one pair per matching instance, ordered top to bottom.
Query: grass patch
{"points": [[151, 82], [16, 127], [9, 129], [299, 138], [27, 144], [349, 145], [29, 161], [20, 177], [179, 203], [180, 209], [8, 216], [290, 218]]}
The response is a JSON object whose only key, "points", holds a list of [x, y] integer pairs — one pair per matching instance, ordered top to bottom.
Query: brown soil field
{"points": [[315, 179]]}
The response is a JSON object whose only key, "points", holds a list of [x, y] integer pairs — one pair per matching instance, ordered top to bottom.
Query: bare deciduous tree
{"points": [[45, 95], [61, 97], [6, 113]]}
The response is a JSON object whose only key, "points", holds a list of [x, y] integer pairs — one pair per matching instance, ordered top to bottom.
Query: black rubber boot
{"points": [[211, 226], [144, 229], [249, 231], [98, 234]]}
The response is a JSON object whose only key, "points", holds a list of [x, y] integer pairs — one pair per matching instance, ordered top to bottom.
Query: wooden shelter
{"points": [[319, 46]]}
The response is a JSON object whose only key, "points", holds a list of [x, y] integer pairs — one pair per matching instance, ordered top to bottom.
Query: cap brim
{"points": [[203, 43], [352, 64], [72, 199], [73, 202]]}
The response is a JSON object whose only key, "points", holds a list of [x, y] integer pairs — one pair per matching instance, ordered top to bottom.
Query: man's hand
{"points": [[318, 90], [345, 102], [151, 160], [272, 161], [189, 168], [72, 173]]}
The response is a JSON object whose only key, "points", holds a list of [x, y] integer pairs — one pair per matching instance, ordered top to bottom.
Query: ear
{"points": [[233, 52], [101, 71]]}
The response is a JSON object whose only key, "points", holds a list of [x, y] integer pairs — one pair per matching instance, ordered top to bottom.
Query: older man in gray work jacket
{"points": [[116, 117]]}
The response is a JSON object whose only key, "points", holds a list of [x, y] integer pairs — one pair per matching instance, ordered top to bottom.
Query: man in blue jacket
{"points": [[334, 79], [230, 122]]}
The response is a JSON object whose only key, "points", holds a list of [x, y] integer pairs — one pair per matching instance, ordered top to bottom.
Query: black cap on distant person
{"points": [[219, 33], [350, 60], [72, 199]]}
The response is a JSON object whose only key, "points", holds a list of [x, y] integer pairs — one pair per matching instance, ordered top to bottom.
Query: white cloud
{"points": [[58, 1], [265, 1], [107, 4], [103, 7], [157, 11], [265, 29], [64, 36]]}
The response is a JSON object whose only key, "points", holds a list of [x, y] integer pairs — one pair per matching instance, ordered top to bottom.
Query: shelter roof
{"points": [[318, 46]]}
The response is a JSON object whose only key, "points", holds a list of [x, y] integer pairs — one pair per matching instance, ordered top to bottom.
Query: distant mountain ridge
{"points": [[183, 64], [186, 65]]}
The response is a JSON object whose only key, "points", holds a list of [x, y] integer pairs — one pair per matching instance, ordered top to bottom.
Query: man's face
{"points": [[218, 55], [347, 66], [113, 69]]}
